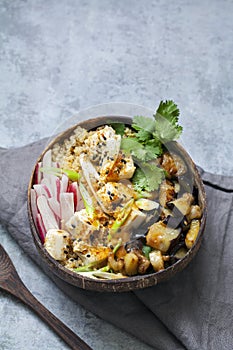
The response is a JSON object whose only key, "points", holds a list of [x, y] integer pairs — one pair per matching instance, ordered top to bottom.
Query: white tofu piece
{"points": [[103, 147], [123, 168], [114, 196], [79, 224], [80, 227], [56, 242], [91, 255]]}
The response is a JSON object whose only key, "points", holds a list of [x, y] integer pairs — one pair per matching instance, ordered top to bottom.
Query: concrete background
{"points": [[59, 57]]}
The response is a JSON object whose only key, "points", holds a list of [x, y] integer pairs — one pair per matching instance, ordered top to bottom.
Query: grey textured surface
{"points": [[57, 57]]}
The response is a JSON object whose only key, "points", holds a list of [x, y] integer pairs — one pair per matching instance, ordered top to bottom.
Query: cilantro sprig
{"points": [[147, 143], [147, 177]]}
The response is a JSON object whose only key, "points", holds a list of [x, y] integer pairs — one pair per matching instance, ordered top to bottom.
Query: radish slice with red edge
{"points": [[38, 173], [46, 182], [73, 188], [42, 190], [47, 214], [41, 228]]}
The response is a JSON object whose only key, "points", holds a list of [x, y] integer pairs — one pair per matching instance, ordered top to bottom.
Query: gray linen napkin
{"points": [[194, 310]]}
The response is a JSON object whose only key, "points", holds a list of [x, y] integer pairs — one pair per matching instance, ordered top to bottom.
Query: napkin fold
{"points": [[193, 310]]}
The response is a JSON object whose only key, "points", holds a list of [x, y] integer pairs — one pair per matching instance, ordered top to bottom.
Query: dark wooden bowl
{"points": [[134, 282]]}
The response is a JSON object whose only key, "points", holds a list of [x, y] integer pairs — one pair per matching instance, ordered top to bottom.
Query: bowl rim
{"points": [[122, 284]]}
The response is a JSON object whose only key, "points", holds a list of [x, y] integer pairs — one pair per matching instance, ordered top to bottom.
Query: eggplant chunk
{"points": [[173, 164], [166, 193], [184, 203], [195, 213], [192, 233], [160, 236], [180, 254], [156, 260], [131, 264], [115, 265], [143, 265]]}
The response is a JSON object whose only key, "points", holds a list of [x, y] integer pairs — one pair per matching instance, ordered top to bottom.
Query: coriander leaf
{"points": [[168, 110], [166, 122], [145, 123], [118, 127], [166, 131], [143, 135], [156, 143], [130, 144], [134, 147], [138, 150], [152, 152], [153, 174], [148, 177], [139, 180]]}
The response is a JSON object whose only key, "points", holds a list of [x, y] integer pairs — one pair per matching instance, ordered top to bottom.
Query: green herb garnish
{"points": [[166, 122], [118, 127], [147, 143], [148, 177]]}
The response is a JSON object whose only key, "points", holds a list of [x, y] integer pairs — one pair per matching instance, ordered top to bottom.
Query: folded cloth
{"points": [[193, 310]]}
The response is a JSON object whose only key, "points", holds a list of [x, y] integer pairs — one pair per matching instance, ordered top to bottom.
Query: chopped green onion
{"points": [[71, 174], [87, 200], [123, 216], [117, 246], [146, 251], [86, 268], [105, 269]]}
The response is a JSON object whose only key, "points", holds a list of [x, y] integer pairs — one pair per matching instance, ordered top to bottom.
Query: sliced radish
{"points": [[47, 161], [55, 164], [38, 173], [45, 181], [64, 183], [53, 185], [58, 188], [73, 188], [42, 190], [47, 190], [33, 204], [55, 206], [67, 206], [47, 214], [41, 228]]}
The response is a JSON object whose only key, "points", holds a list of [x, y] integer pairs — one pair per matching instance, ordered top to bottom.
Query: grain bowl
{"points": [[116, 204]]}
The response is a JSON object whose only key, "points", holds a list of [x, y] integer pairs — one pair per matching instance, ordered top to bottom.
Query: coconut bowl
{"points": [[133, 282]]}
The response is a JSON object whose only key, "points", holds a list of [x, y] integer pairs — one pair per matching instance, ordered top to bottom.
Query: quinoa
{"points": [[67, 154]]}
